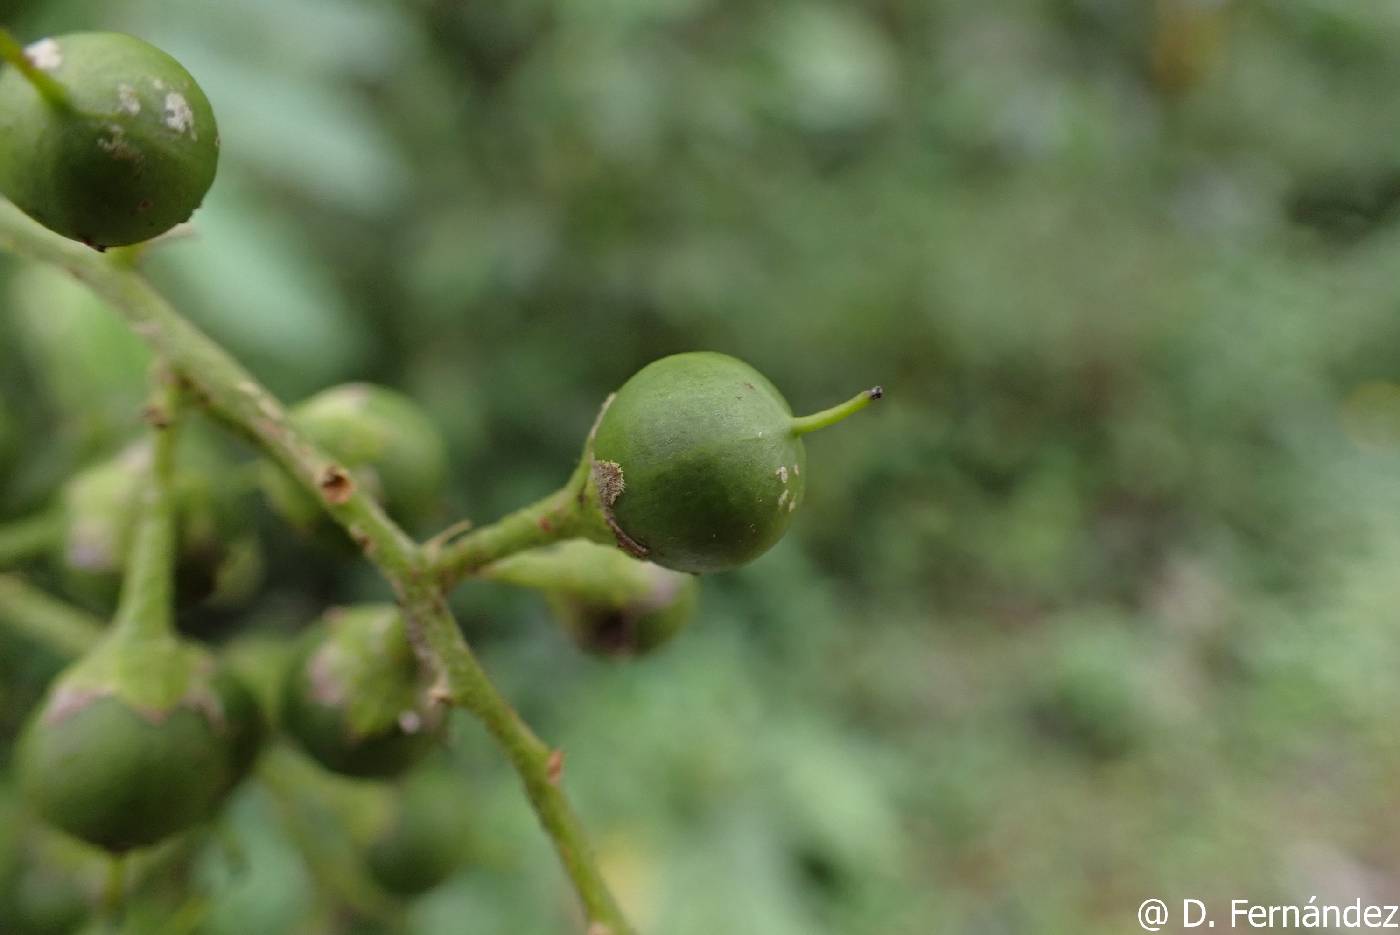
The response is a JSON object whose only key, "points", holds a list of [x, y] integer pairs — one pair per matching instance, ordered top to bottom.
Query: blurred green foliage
{"points": [[1100, 604]]}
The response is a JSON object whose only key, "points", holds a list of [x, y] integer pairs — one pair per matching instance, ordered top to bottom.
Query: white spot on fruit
{"points": [[45, 54], [158, 84], [127, 101], [178, 115], [116, 146], [796, 471], [782, 473], [782, 498], [792, 504], [410, 722]]}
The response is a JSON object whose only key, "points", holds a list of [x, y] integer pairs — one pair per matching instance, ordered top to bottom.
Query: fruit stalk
{"points": [[50, 90], [222, 385], [820, 420], [554, 518], [145, 610], [45, 620]]}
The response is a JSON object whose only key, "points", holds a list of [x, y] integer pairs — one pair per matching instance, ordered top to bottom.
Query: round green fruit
{"points": [[127, 150], [384, 438], [699, 463], [218, 556], [611, 604], [356, 697], [139, 740], [425, 836]]}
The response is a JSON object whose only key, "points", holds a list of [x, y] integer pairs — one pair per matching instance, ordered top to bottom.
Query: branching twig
{"points": [[223, 386], [49, 622]]}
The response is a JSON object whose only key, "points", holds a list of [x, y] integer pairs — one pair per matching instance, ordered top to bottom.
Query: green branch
{"points": [[225, 388], [568, 513], [47, 621]]}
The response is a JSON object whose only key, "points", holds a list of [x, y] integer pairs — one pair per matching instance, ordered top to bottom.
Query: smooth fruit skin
{"points": [[135, 157], [390, 445], [710, 468], [355, 697], [141, 738], [425, 839]]}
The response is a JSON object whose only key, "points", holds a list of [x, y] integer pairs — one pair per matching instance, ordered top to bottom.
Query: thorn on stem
{"points": [[157, 417], [336, 485], [440, 694], [554, 767]]}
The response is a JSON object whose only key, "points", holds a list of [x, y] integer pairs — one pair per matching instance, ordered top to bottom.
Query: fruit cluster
{"points": [[696, 465]]}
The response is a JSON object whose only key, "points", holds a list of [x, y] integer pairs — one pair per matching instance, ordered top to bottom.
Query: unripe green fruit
{"points": [[131, 155], [384, 438], [699, 463], [218, 555], [612, 605], [356, 697], [137, 741], [424, 838]]}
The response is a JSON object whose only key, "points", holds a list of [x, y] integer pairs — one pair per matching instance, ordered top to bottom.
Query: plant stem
{"points": [[53, 93], [223, 386], [820, 420], [556, 517], [26, 538], [146, 607], [64, 629], [538, 766], [114, 890]]}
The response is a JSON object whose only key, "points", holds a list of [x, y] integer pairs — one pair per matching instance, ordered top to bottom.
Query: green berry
{"points": [[127, 149], [388, 443], [699, 463], [218, 556], [612, 605], [356, 697], [137, 741], [424, 837]]}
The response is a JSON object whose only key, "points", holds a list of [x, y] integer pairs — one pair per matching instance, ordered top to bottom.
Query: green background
{"points": [[1100, 604]]}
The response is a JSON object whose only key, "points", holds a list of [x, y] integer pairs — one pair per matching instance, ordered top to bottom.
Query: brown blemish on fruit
{"points": [[144, 205], [608, 478], [336, 485], [546, 524], [554, 767]]}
